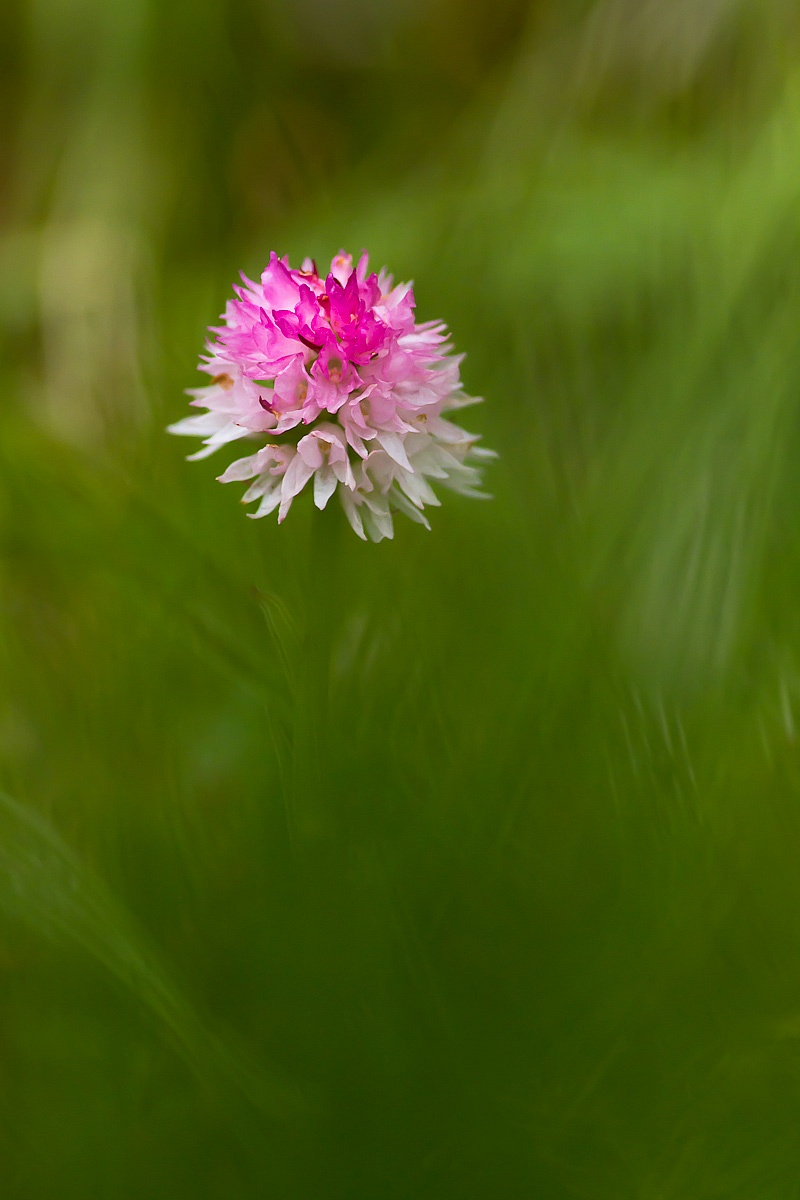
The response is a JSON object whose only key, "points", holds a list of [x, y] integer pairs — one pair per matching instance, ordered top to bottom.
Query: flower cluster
{"points": [[348, 389]]}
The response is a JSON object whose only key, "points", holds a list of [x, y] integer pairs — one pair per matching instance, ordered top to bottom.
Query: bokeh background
{"points": [[466, 865]]}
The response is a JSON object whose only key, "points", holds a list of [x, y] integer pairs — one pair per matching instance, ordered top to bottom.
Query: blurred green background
{"points": [[466, 865]]}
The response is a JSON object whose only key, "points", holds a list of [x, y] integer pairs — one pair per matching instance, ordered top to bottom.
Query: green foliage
{"points": [[464, 865]]}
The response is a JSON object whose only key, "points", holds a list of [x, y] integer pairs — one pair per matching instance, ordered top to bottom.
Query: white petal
{"points": [[460, 400], [202, 425], [446, 431], [229, 433], [393, 445], [437, 460], [244, 468], [297, 476], [466, 481], [265, 483], [324, 486], [418, 490], [465, 490], [402, 503], [268, 504], [285, 505], [352, 514], [378, 516], [379, 525]]}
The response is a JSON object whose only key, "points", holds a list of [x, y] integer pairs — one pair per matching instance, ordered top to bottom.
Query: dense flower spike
{"points": [[348, 389]]}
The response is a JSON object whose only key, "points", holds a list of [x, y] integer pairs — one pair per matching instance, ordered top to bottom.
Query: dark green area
{"points": [[465, 865]]}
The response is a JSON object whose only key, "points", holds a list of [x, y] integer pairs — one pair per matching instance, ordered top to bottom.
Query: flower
{"points": [[348, 389]]}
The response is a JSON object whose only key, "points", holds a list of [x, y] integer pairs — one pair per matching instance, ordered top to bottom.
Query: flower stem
{"points": [[311, 793]]}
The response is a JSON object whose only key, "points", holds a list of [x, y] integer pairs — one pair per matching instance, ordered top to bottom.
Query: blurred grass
{"points": [[485, 881]]}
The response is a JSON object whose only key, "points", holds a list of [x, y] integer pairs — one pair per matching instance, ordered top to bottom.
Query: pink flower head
{"points": [[347, 387]]}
